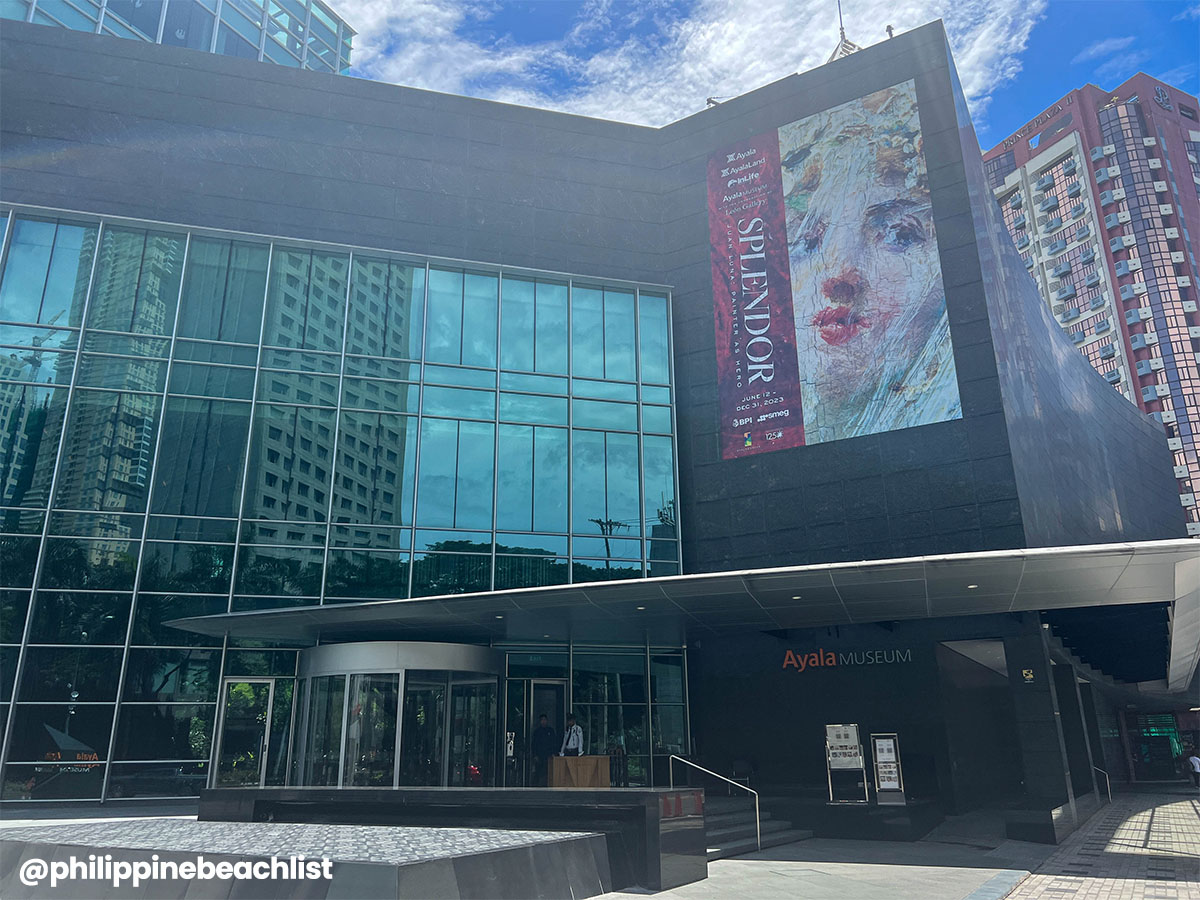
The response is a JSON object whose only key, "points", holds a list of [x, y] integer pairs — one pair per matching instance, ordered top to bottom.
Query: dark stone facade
{"points": [[1046, 453]]}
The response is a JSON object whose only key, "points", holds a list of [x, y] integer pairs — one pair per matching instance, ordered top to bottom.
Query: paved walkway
{"points": [[1143, 847]]}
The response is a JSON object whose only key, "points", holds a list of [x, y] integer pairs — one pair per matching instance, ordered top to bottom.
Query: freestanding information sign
{"points": [[845, 765], [889, 778]]}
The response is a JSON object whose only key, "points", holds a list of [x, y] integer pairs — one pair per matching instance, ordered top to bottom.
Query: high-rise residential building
{"points": [[304, 34], [1101, 193]]}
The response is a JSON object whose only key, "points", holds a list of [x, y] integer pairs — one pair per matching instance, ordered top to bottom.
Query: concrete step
{"points": [[717, 805], [727, 818], [727, 831], [750, 845]]}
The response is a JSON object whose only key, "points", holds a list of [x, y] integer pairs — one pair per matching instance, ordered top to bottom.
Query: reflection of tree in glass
{"points": [[270, 571]]}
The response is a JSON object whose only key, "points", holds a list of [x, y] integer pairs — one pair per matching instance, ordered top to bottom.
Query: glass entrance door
{"points": [[245, 724], [422, 734], [472, 734]]}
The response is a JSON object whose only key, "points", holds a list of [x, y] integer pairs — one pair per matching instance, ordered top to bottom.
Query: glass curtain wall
{"points": [[297, 33], [197, 423]]}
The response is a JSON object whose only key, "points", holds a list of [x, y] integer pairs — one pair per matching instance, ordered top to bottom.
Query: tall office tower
{"points": [[303, 34], [1101, 193]]}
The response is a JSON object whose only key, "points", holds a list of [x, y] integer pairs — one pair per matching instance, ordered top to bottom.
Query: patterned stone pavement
{"points": [[366, 843], [1142, 847]]}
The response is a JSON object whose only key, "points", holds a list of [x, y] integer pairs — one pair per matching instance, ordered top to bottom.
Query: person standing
{"points": [[572, 744], [542, 747], [1194, 766]]}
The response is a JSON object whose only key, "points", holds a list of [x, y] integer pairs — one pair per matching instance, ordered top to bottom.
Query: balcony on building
{"points": [[1097, 153], [1070, 167], [1044, 183], [1074, 189], [1048, 204], [1078, 210], [1020, 222], [1052, 225], [1081, 233], [1023, 242], [1087, 256], [1060, 269], [1092, 279], [1064, 293], [1098, 301], [1071, 314], [1137, 314], [1103, 326], [1142, 341], [1108, 351], [1113, 376]]}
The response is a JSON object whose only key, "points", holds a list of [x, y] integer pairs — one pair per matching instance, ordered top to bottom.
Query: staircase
{"points": [[729, 822]]}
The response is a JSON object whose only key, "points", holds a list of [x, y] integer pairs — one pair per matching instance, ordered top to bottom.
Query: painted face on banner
{"points": [[872, 335]]}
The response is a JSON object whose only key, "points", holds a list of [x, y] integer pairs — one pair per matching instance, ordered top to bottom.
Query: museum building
{"points": [[347, 428]]}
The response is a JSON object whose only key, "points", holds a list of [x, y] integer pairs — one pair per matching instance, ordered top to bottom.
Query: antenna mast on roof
{"points": [[845, 46]]}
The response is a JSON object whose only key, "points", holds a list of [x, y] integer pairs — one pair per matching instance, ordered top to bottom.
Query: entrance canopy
{"points": [[683, 606]]}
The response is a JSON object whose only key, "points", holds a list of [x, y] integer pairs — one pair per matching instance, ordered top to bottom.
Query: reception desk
{"points": [[578, 771]]}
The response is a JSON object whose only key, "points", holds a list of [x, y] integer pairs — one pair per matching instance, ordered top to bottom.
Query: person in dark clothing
{"points": [[543, 745]]}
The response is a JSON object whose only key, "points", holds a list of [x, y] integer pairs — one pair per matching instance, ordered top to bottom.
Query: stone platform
{"points": [[655, 837], [367, 860]]}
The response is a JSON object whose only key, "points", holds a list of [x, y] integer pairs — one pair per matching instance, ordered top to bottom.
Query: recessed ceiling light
{"points": [[971, 587], [797, 597], [641, 607], [499, 617], [545, 635]]}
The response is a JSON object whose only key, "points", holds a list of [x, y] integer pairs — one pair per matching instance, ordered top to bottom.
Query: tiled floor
{"points": [[367, 843], [1143, 847]]}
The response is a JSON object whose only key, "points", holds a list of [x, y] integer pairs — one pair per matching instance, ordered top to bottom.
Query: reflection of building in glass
{"points": [[297, 33], [1100, 195], [295, 399]]}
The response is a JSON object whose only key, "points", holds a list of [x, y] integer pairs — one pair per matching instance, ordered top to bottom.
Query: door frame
{"points": [[220, 734]]}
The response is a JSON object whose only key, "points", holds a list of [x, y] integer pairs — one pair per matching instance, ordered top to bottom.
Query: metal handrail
{"points": [[671, 778], [1107, 782]]}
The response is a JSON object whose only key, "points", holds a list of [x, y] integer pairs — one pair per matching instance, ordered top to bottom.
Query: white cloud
{"points": [[1191, 12], [1101, 49], [662, 67], [1109, 73]]}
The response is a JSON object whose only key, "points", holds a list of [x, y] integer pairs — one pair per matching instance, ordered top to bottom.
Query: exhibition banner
{"points": [[829, 306], [756, 338]]}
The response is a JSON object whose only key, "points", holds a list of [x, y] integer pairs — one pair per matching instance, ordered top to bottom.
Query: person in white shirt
{"points": [[572, 744], [1194, 765]]}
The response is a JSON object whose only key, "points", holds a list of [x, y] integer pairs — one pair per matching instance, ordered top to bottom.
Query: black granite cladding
{"points": [[1046, 452]]}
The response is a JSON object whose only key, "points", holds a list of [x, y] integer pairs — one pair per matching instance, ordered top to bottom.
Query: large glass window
{"points": [[47, 272], [137, 281], [224, 290], [306, 300], [387, 305], [462, 318], [654, 338], [31, 419], [203, 441], [108, 452], [291, 459], [373, 473], [604, 487], [532, 488], [455, 489]]}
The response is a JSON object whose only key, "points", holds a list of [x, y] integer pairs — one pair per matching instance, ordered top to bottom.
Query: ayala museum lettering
{"points": [[829, 308], [803, 660]]}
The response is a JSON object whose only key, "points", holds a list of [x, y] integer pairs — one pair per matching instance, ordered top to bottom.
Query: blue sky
{"points": [[653, 61]]}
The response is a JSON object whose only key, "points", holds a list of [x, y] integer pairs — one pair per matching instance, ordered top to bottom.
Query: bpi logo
{"points": [[1162, 98]]}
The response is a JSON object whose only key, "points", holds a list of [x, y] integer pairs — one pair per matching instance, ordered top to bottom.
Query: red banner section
{"points": [[758, 378]]}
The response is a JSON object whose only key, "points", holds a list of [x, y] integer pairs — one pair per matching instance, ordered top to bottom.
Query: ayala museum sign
{"points": [[829, 306]]}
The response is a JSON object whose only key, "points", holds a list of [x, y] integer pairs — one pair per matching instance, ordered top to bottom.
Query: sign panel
{"points": [[829, 307], [843, 747], [887, 763]]}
